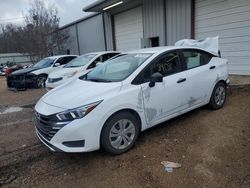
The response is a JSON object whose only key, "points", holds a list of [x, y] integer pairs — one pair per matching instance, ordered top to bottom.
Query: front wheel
{"points": [[40, 81], [218, 97], [120, 133]]}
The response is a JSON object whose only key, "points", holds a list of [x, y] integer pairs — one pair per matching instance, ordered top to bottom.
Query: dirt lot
{"points": [[213, 148]]}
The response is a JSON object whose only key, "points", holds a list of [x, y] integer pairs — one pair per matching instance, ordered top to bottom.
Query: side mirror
{"points": [[98, 63], [56, 64], [156, 77]]}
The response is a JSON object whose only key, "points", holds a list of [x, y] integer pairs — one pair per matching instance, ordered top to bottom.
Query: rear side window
{"points": [[69, 58], [195, 58]]}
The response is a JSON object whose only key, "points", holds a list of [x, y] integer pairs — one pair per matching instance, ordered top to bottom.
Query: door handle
{"points": [[212, 67], [181, 80]]}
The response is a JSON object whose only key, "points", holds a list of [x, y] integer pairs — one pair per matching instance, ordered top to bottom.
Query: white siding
{"points": [[153, 20], [178, 20], [231, 21], [128, 29], [91, 34], [71, 42]]}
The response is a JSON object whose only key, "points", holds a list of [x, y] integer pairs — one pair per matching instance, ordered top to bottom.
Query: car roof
{"points": [[163, 49], [103, 52], [58, 56]]}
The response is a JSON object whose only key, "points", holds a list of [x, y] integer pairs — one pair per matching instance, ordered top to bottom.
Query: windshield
{"points": [[80, 61], [46, 62], [117, 69]]}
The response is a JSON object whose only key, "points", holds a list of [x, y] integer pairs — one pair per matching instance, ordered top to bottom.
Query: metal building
{"points": [[131, 24], [85, 35]]}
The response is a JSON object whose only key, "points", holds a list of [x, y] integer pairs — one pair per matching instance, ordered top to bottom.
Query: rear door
{"points": [[200, 75], [168, 97]]}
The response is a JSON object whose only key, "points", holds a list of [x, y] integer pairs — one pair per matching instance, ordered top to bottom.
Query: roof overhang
{"points": [[103, 5]]}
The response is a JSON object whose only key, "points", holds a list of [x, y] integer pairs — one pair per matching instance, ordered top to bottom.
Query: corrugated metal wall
{"points": [[153, 20], [178, 20], [231, 21], [171, 23], [108, 31], [91, 34], [71, 43], [15, 58]]}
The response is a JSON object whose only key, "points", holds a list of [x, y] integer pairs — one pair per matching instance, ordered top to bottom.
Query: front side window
{"points": [[108, 56], [70, 58], [195, 58], [101, 59], [62, 60], [80, 61], [44, 63], [93, 64], [166, 65], [117, 69]]}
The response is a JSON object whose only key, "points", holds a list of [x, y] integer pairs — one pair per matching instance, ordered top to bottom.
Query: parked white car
{"points": [[79, 66], [36, 75], [112, 104]]}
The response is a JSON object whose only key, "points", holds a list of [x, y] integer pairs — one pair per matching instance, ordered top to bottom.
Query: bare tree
{"points": [[39, 37]]}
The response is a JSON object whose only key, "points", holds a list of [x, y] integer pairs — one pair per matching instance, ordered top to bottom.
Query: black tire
{"points": [[40, 81], [216, 103], [129, 120]]}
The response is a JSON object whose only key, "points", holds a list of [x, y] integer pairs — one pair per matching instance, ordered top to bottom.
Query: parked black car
{"points": [[36, 75]]}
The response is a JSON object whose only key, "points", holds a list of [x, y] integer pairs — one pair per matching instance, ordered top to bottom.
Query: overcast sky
{"points": [[11, 11]]}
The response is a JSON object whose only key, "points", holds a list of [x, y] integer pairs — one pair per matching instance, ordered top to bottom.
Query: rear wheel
{"points": [[40, 81], [218, 97], [120, 133]]}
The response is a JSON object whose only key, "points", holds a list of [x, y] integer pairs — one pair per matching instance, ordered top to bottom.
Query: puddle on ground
{"points": [[10, 110]]}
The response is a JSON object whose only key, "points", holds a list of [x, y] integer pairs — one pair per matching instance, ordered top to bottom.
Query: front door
{"points": [[168, 97]]}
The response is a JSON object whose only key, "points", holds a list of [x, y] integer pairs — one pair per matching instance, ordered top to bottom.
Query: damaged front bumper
{"points": [[21, 81]]}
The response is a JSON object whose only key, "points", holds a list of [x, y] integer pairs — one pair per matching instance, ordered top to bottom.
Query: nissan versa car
{"points": [[79, 66], [36, 75], [112, 104]]}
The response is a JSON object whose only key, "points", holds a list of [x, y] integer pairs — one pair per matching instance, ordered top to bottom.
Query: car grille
{"points": [[18, 77], [48, 126]]}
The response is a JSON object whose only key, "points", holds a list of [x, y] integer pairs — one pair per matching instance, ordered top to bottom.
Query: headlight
{"points": [[70, 74], [52, 80], [77, 113]]}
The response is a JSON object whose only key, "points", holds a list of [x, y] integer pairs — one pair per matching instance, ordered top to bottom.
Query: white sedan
{"points": [[79, 66], [112, 104]]}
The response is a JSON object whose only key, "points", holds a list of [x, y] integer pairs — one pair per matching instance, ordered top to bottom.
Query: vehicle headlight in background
{"points": [[70, 74], [52, 80], [77, 113]]}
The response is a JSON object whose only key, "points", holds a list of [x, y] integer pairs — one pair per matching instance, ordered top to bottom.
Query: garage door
{"points": [[231, 21], [128, 29]]}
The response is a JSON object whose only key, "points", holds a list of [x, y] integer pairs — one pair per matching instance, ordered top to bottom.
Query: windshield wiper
{"points": [[71, 66], [98, 80]]}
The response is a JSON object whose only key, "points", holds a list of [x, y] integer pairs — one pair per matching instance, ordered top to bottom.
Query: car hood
{"points": [[24, 71], [64, 72], [78, 93]]}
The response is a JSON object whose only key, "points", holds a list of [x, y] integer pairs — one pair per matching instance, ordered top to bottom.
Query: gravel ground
{"points": [[213, 148]]}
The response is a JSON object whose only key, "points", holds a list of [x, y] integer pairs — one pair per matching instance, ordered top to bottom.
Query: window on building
{"points": [[154, 42]]}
